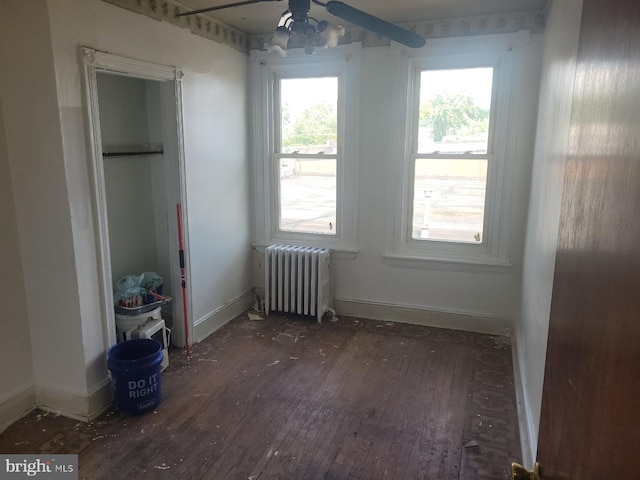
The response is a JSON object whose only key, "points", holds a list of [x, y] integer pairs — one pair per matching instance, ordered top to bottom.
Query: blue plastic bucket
{"points": [[135, 375]]}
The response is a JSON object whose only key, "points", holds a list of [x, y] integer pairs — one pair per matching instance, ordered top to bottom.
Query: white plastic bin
{"points": [[126, 323]]}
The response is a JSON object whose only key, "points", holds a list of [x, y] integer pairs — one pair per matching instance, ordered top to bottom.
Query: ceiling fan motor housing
{"points": [[300, 6], [299, 10]]}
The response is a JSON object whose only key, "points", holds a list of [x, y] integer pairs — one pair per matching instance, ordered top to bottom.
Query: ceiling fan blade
{"points": [[220, 7], [375, 24]]}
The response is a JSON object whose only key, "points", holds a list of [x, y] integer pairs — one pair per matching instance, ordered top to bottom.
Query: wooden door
{"points": [[590, 420]]}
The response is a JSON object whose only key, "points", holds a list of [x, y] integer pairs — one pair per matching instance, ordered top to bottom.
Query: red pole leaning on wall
{"points": [[183, 280]]}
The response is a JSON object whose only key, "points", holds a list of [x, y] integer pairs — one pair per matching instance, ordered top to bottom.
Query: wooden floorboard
{"points": [[288, 398]]}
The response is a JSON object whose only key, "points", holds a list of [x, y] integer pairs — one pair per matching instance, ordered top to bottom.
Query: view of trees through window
{"points": [[453, 114], [316, 125], [308, 154], [451, 162]]}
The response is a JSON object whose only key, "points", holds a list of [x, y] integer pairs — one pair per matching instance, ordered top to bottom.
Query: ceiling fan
{"points": [[296, 20]]}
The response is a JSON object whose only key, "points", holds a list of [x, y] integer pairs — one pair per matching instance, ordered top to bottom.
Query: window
{"points": [[455, 108], [305, 139], [451, 153], [308, 154]]}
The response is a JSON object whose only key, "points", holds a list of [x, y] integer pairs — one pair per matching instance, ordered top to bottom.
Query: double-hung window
{"points": [[455, 110], [305, 140], [307, 154]]}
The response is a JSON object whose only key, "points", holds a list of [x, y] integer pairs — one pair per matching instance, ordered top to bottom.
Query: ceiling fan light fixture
{"points": [[296, 20], [330, 33], [279, 41]]}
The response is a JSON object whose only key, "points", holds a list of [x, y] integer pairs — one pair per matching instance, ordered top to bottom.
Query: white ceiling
{"points": [[263, 17]]}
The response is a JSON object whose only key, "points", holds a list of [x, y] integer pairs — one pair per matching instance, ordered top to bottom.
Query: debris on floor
{"points": [[254, 317]]}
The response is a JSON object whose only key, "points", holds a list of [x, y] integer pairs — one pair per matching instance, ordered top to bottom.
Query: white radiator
{"points": [[297, 280]]}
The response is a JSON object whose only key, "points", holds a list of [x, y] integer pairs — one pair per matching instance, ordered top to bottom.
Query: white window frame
{"points": [[504, 54], [266, 70]]}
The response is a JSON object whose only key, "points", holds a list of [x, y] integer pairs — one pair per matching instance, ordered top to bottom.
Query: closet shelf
{"points": [[132, 154]]}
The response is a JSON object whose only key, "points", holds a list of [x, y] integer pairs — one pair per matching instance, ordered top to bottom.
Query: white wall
{"points": [[556, 91], [123, 110], [154, 111], [44, 113], [218, 172], [38, 177], [131, 215], [367, 285], [16, 367]]}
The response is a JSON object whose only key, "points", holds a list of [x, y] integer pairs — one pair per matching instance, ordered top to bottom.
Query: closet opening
{"points": [[138, 167]]}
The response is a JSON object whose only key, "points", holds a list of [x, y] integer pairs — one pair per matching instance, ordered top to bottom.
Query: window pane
{"points": [[454, 110], [308, 115], [308, 195], [449, 199]]}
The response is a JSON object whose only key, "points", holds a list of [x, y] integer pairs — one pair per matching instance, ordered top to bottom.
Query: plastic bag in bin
{"points": [[129, 281], [152, 282], [133, 291], [128, 292]]}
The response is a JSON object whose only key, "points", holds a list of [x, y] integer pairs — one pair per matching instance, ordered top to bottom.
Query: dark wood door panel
{"points": [[590, 421]]}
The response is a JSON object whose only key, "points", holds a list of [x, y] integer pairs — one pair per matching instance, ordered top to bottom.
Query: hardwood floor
{"points": [[287, 398]]}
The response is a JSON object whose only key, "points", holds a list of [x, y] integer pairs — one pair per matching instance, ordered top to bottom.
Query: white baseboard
{"points": [[422, 316], [211, 322], [100, 399], [19, 403], [72, 404], [16, 405], [528, 440]]}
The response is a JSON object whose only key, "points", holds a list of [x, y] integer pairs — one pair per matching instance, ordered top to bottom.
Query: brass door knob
{"points": [[518, 472]]}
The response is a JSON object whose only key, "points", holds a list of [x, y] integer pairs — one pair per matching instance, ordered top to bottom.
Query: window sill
{"points": [[450, 264]]}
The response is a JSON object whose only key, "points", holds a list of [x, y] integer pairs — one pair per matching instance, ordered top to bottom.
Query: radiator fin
{"points": [[297, 280]]}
